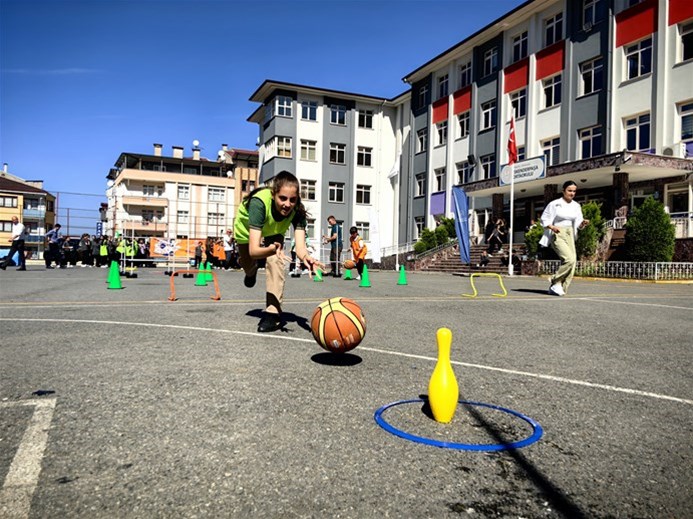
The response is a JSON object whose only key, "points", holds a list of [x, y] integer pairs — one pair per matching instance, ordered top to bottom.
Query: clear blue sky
{"points": [[82, 81]]}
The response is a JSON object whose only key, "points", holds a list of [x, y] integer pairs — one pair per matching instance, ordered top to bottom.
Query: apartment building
{"points": [[601, 93], [340, 145], [176, 196], [34, 206]]}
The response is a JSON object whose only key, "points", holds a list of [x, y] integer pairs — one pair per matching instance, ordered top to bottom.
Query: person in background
{"points": [[262, 220], [561, 220], [497, 237], [334, 238], [17, 239], [53, 241], [95, 245], [228, 248], [358, 249], [84, 250], [198, 255], [483, 260]]}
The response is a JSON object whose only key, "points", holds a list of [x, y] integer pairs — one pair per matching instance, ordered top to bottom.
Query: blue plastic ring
{"points": [[537, 431]]}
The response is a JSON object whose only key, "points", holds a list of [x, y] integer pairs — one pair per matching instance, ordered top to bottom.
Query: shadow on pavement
{"points": [[336, 359]]}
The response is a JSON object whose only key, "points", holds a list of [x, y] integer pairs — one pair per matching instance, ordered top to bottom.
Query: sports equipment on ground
{"points": [[349, 264], [338, 324]]}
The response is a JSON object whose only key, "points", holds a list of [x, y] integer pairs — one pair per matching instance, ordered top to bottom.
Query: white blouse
{"points": [[560, 214]]}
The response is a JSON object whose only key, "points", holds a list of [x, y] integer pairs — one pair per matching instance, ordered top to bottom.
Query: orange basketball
{"points": [[349, 264], [338, 324]]}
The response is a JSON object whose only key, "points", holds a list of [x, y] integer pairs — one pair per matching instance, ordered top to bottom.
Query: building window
{"points": [[590, 13], [553, 29], [686, 32], [520, 47], [639, 58], [490, 61], [592, 73], [465, 74], [443, 86], [552, 91], [423, 95], [518, 99], [283, 106], [309, 111], [686, 112], [338, 114], [488, 115], [366, 119], [463, 124], [442, 132], [638, 133], [421, 140], [590, 142], [284, 147], [308, 149], [552, 151], [337, 153], [521, 153], [363, 156], [489, 164], [464, 172], [440, 179], [247, 185], [420, 185], [148, 190], [308, 190], [183, 192], [335, 192], [216, 194], [363, 194], [8, 201], [147, 215], [182, 216], [215, 218], [419, 224], [310, 228], [364, 230]]}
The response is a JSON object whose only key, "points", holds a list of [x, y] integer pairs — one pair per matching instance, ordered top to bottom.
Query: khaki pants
{"points": [[563, 244], [275, 277]]}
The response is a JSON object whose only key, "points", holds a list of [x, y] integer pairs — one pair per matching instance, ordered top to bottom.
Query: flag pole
{"points": [[512, 219]]}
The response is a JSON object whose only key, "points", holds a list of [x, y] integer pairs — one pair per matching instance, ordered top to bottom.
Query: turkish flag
{"points": [[512, 143]]}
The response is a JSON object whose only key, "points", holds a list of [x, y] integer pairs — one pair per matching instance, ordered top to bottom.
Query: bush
{"points": [[449, 224], [649, 233], [441, 235], [589, 236], [532, 238], [420, 247]]}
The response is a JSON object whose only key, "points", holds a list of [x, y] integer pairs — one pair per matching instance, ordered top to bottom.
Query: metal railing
{"points": [[619, 222], [683, 224], [447, 245], [400, 249], [625, 270]]}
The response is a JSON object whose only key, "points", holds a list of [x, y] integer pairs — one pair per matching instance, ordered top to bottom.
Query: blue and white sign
{"points": [[526, 170], [99, 228]]}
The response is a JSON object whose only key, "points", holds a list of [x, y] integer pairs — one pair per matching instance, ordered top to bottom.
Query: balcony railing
{"points": [[34, 213], [683, 224]]}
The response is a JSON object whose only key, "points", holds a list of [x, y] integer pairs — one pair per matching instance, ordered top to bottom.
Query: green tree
{"points": [[449, 224], [649, 233], [441, 234], [589, 236], [532, 237], [427, 241]]}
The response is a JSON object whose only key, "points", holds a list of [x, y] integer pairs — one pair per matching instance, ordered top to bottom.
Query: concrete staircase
{"points": [[448, 260]]}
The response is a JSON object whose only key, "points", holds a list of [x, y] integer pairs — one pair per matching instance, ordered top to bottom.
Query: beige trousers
{"points": [[564, 245], [274, 278]]}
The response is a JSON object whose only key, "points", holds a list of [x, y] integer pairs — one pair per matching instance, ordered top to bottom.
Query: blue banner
{"points": [[461, 208]]}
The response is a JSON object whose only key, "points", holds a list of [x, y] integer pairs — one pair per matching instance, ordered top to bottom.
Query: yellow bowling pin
{"points": [[443, 392]]}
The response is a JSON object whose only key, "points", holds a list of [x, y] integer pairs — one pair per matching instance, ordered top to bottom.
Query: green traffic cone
{"points": [[113, 271], [208, 273], [318, 275], [347, 275], [402, 276], [114, 277], [201, 280], [365, 282]]}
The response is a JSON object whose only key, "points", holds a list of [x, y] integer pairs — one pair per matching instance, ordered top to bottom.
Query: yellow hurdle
{"points": [[487, 274]]}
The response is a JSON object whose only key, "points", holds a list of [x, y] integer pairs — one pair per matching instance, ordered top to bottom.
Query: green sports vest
{"points": [[271, 227], [103, 250]]}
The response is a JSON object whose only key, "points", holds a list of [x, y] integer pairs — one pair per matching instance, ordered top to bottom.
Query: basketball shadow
{"points": [[287, 317], [336, 359]]}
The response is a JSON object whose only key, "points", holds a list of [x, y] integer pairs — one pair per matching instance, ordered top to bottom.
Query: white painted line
{"points": [[639, 304], [376, 350], [22, 478]]}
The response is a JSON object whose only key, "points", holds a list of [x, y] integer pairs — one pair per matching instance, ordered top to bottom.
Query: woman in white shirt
{"points": [[561, 220]]}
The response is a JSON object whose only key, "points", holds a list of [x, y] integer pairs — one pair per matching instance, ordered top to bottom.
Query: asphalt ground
{"points": [[119, 403]]}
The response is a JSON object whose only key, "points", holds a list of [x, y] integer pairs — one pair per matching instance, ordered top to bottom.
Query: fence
{"points": [[625, 270]]}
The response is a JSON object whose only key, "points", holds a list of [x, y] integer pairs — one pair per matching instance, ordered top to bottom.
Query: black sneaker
{"points": [[3, 266], [49, 267], [23, 268], [249, 281], [269, 323]]}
